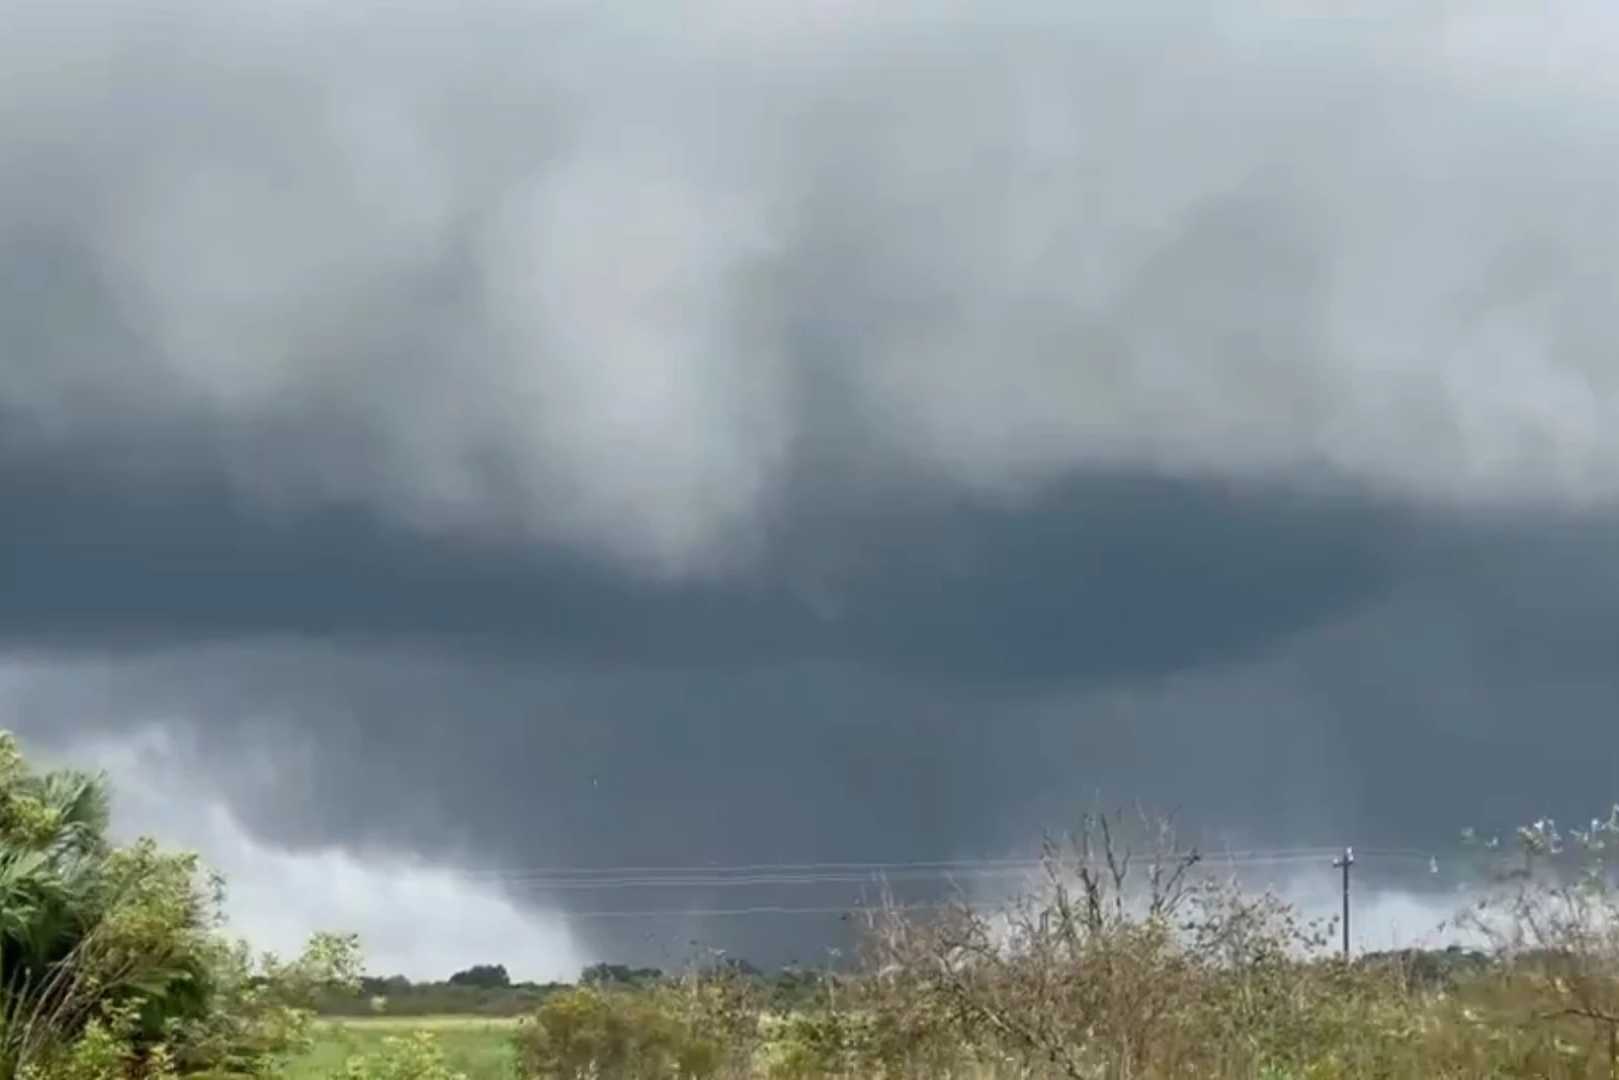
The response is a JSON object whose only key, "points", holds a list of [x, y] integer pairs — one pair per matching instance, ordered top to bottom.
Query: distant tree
{"points": [[737, 966], [1429, 969], [618, 975], [483, 976], [371, 985]]}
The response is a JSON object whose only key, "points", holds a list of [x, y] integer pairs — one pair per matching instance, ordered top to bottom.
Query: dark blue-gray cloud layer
{"points": [[1106, 576]]}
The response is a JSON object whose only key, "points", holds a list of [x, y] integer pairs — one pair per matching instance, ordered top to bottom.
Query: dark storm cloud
{"points": [[595, 435], [1101, 577], [1463, 694]]}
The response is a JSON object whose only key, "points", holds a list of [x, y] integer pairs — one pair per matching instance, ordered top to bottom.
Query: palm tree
{"points": [[78, 808], [53, 834], [53, 841], [86, 926]]}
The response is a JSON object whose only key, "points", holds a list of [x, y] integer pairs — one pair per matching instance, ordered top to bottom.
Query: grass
{"points": [[480, 1047]]}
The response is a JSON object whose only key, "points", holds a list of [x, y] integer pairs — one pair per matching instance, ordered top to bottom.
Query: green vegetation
{"points": [[111, 963], [1125, 964], [487, 976], [487, 991], [398, 997], [474, 1047]]}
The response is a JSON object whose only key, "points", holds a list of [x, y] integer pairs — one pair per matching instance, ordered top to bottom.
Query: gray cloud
{"points": [[577, 274], [580, 434], [1105, 575], [1473, 690]]}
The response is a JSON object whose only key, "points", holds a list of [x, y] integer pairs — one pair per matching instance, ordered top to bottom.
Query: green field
{"points": [[479, 1047]]}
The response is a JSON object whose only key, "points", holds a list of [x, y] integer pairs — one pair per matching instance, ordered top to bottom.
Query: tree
{"points": [[52, 835], [67, 908], [115, 951], [618, 975], [483, 976], [372, 985]]}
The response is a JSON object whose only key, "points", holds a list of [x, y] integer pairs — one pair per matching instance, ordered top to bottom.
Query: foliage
{"points": [[1554, 915], [87, 930], [111, 961], [618, 975], [488, 976], [396, 996], [258, 1010], [618, 1035], [477, 1047], [103, 1051], [416, 1057]]}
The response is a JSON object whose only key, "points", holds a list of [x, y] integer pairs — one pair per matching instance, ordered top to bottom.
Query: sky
{"points": [[445, 443]]}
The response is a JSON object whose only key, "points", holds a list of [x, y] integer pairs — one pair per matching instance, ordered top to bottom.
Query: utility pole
{"points": [[1344, 864]]}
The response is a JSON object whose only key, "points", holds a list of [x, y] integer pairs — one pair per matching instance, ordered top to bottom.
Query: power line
{"points": [[982, 867], [744, 868], [795, 873], [848, 873], [808, 881], [760, 882], [675, 913]]}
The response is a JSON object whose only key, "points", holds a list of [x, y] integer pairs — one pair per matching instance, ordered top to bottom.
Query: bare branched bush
{"points": [[1552, 915], [1128, 959], [1108, 968]]}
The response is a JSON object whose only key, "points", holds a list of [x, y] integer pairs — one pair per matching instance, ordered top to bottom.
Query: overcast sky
{"points": [[440, 441]]}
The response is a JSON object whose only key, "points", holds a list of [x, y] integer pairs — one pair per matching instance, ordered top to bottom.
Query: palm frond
{"points": [[81, 805]]}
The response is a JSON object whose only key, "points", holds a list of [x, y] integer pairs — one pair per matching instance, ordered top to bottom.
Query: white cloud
{"points": [[415, 919]]}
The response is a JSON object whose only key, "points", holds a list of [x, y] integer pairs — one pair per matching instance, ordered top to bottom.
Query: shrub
{"points": [[615, 1035], [418, 1057]]}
